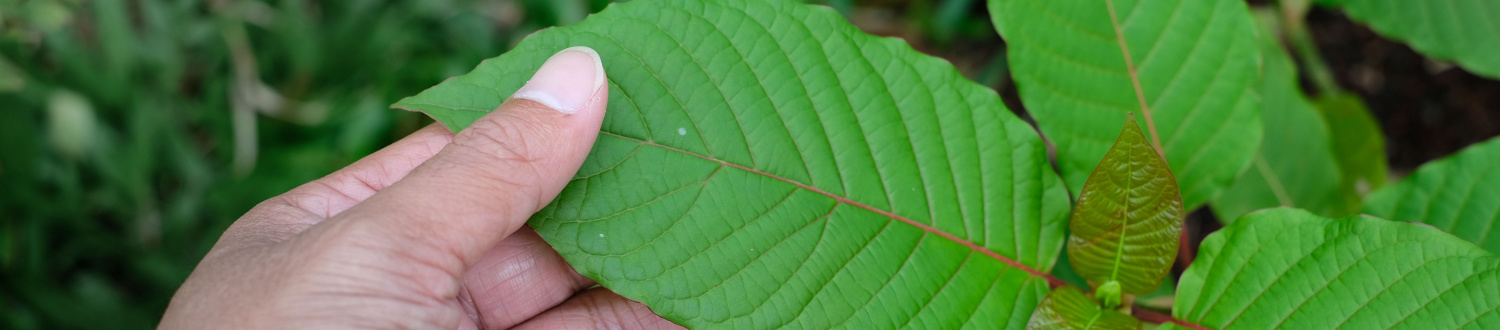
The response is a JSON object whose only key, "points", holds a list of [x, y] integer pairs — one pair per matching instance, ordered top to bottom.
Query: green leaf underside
{"points": [[1464, 31], [1197, 66], [1357, 142], [764, 164], [1296, 166], [1459, 194], [1128, 217], [1288, 268], [1068, 308]]}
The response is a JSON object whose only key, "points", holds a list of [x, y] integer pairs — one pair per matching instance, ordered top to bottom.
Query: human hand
{"points": [[426, 233]]}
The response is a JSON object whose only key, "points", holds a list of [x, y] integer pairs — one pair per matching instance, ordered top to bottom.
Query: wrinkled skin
{"points": [[428, 232]]}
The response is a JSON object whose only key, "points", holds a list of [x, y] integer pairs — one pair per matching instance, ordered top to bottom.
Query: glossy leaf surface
{"points": [[1464, 31], [1193, 63], [765, 164], [1296, 166], [1459, 194], [1126, 224], [1290, 269], [1067, 308]]}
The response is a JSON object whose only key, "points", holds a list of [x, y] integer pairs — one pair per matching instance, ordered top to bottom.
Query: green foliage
{"points": [[1465, 31], [1191, 74], [1357, 144], [123, 160], [764, 164], [1296, 165], [841, 175], [1459, 194], [1125, 227], [1288, 268], [1068, 308]]}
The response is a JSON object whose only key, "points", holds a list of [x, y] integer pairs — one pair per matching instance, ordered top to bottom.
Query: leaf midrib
{"points": [[1135, 79], [1114, 272], [1052, 280]]}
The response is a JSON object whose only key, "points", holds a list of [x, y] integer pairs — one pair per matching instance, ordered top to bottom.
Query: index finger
{"points": [[280, 217]]}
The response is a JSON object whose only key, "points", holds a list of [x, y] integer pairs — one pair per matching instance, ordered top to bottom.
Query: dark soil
{"points": [[1426, 109]]}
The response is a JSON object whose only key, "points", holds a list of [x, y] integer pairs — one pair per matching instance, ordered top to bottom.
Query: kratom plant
{"points": [[765, 164]]}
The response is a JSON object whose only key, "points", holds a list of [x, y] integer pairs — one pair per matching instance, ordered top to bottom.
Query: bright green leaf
{"points": [[1465, 31], [1192, 63], [1357, 141], [765, 164], [1296, 166], [1459, 194], [1125, 227], [1290, 269], [1067, 308]]}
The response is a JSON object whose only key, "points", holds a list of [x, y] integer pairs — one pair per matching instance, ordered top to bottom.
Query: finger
{"points": [[496, 173], [290, 213], [518, 279], [598, 308]]}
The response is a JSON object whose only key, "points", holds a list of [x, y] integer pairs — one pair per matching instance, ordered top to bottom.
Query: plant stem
{"points": [[1307, 52], [1154, 317]]}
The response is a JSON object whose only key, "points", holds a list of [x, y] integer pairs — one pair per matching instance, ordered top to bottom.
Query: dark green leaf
{"points": [[1466, 31], [1192, 74], [1357, 141], [765, 164], [1296, 166], [1459, 194], [1128, 217], [1290, 269], [1067, 308]]}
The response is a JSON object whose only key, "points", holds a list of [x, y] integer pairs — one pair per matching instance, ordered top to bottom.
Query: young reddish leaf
{"points": [[1128, 217], [1067, 308]]}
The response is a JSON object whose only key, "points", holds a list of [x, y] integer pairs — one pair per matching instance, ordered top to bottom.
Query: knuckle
{"points": [[508, 135]]}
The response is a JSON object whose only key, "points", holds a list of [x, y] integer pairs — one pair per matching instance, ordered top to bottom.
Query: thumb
{"points": [[496, 173]]}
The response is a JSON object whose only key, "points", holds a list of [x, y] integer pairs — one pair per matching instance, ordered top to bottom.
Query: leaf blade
{"points": [[1463, 31], [1196, 64], [1357, 142], [764, 163], [1296, 165], [1459, 194], [1130, 203], [1291, 268], [1068, 308]]}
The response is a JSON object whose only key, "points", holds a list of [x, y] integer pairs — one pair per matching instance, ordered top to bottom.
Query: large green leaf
{"points": [[1465, 31], [1192, 75], [765, 164], [1296, 166], [1459, 194], [1125, 227], [1291, 269], [1067, 308]]}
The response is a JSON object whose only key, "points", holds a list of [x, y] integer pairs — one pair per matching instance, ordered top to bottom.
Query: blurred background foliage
{"points": [[135, 131], [132, 132]]}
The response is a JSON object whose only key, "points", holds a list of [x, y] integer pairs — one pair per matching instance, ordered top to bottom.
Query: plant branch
{"points": [[1154, 317]]}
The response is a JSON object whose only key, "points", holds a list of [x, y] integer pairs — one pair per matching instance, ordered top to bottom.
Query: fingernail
{"points": [[567, 81]]}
